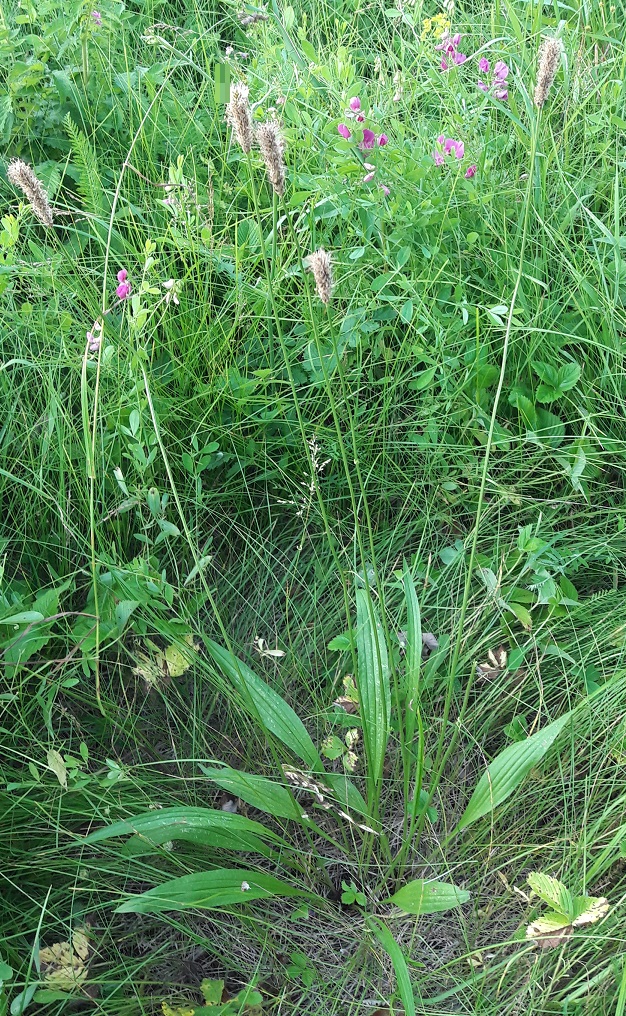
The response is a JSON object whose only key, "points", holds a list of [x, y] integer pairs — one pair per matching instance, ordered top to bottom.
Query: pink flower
{"points": [[97, 17], [456, 38], [459, 58], [444, 65], [483, 65], [501, 71], [481, 84], [502, 94], [355, 104], [360, 119], [343, 130], [369, 138], [383, 139], [441, 139], [448, 145], [459, 149], [438, 158], [368, 165], [470, 172], [368, 177], [385, 190], [123, 290], [94, 342]]}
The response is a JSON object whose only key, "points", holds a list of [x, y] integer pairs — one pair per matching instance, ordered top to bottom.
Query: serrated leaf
{"points": [[568, 376], [546, 393], [372, 683], [266, 706], [507, 771], [209, 890], [551, 891], [424, 897]]}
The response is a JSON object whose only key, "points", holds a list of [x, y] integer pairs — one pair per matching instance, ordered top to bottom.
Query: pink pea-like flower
{"points": [[97, 17], [456, 38], [459, 58], [444, 65], [483, 65], [501, 71], [483, 86], [502, 94], [355, 104], [360, 118], [343, 130], [369, 138], [383, 139], [441, 139], [459, 149], [438, 158], [368, 165], [470, 172], [369, 177], [385, 190], [123, 290], [94, 342]]}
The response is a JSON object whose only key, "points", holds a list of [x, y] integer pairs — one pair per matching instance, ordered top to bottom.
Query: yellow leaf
{"points": [[58, 767], [63, 966]]}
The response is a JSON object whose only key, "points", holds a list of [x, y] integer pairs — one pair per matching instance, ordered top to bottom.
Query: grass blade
{"points": [[396, 956]]}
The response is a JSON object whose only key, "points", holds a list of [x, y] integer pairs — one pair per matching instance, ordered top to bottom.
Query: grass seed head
{"points": [[548, 64], [239, 115], [272, 146], [23, 177], [320, 264]]}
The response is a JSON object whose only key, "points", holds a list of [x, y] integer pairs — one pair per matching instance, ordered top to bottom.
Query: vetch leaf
{"points": [[372, 683], [264, 704], [58, 767], [507, 771], [209, 890], [424, 897]]}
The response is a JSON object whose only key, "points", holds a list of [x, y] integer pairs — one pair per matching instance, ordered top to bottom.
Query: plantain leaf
{"points": [[373, 684], [264, 704], [507, 771], [261, 793], [204, 826], [208, 890], [422, 897], [396, 956]]}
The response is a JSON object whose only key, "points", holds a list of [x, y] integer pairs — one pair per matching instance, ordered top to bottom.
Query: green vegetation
{"points": [[312, 460]]}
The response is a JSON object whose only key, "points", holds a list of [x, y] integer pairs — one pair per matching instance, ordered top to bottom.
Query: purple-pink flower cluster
{"points": [[97, 18], [450, 46], [498, 84], [369, 140], [448, 146], [123, 290]]}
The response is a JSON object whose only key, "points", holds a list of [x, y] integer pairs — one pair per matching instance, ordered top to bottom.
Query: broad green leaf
{"points": [[547, 373], [568, 376], [24, 617], [372, 683], [264, 704], [58, 767], [507, 771], [258, 791], [205, 826], [207, 890], [552, 892], [423, 897], [396, 956]]}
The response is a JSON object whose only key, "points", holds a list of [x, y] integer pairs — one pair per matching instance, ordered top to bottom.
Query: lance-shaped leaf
{"points": [[373, 684], [208, 890]]}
